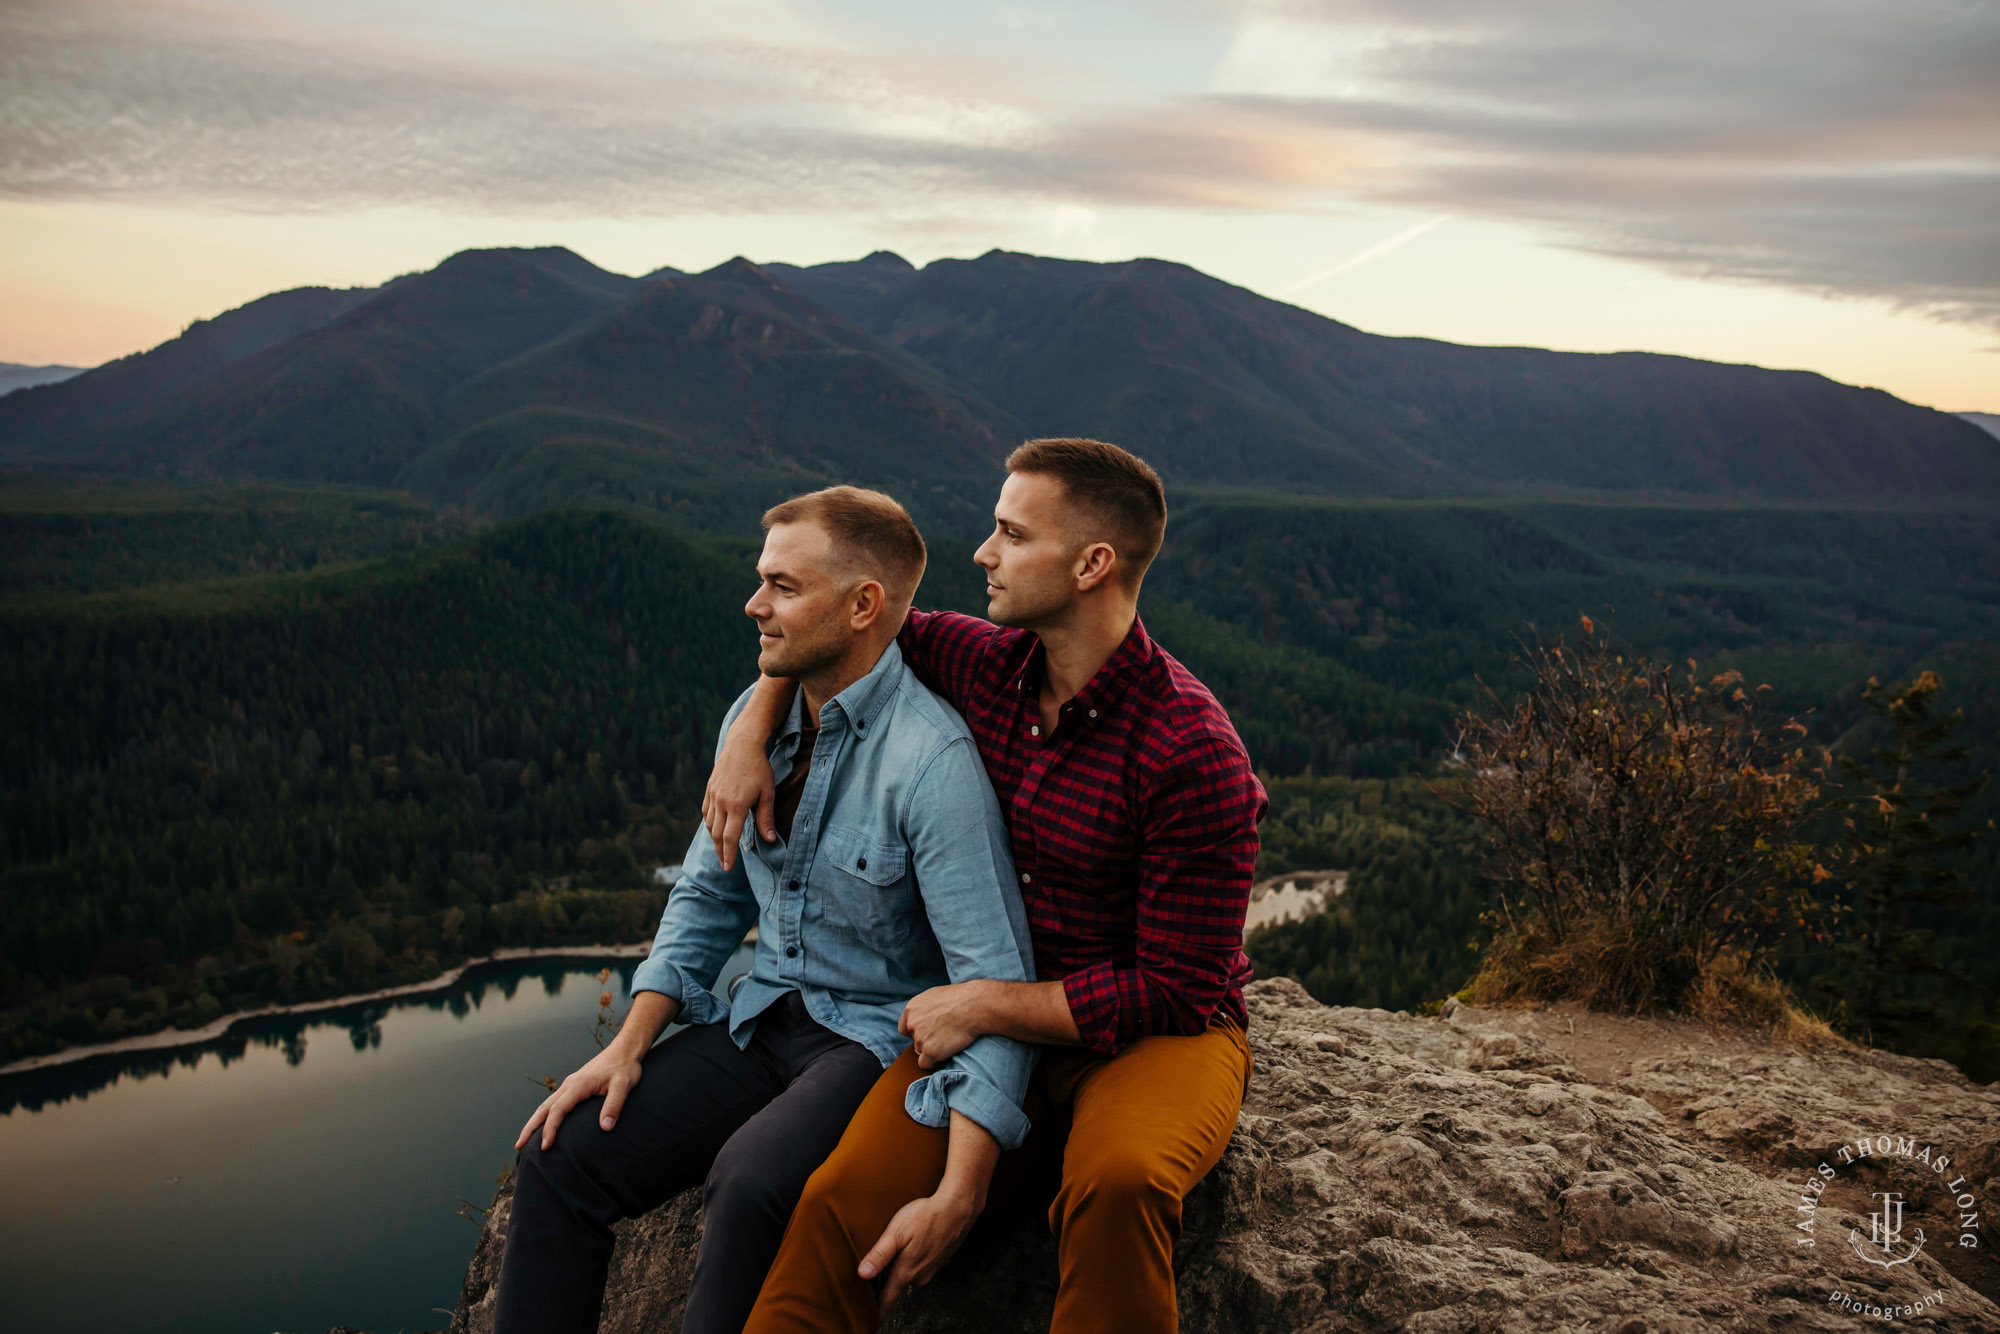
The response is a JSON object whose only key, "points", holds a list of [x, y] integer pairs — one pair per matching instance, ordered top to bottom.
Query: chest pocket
{"points": [[867, 887]]}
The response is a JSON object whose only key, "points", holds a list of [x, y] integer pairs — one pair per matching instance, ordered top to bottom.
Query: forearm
{"points": [[770, 700], [706, 917], [1161, 994], [1027, 1011], [649, 1016], [970, 1155]]}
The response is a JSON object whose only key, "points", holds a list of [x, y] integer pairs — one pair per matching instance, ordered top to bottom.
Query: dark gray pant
{"points": [[751, 1125]]}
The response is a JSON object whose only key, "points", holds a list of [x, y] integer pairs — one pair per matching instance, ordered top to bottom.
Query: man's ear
{"points": [[1094, 564], [865, 604]]}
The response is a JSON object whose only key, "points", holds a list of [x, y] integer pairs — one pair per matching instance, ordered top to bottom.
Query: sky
{"points": [[1792, 183]]}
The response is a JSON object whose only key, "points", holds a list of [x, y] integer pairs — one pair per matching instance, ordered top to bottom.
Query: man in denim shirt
{"points": [[894, 876]]}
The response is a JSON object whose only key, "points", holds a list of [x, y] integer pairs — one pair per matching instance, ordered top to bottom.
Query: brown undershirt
{"points": [[788, 792]]}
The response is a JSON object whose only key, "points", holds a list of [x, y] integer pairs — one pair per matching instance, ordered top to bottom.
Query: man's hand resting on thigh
{"points": [[612, 1072], [927, 1232]]}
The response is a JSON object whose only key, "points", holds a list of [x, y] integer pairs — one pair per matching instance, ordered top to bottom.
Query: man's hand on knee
{"points": [[611, 1072]]}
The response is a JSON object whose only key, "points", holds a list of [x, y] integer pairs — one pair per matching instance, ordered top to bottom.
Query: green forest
{"points": [[279, 744], [221, 794], [1406, 929]]}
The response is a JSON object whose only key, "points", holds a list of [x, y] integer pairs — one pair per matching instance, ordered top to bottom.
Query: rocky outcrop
{"points": [[1503, 1170]]}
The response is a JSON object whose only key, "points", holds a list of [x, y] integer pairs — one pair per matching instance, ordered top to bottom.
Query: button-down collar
{"points": [[1108, 684], [860, 703]]}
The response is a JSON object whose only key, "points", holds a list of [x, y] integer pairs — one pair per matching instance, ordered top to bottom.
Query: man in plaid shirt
{"points": [[1133, 814]]}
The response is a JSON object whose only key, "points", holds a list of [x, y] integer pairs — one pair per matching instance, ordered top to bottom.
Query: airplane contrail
{"points": [[1404, 237]]}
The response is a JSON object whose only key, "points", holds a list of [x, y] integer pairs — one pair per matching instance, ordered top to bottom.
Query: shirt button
{"points": [[1093, 713], [1035, 731], [861, 865], [1026, 878], [791, 884], [791, 951]]}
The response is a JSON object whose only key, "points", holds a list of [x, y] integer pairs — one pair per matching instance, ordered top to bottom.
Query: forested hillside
{"points": [[61, 535], [268, 744], [298, 786]]}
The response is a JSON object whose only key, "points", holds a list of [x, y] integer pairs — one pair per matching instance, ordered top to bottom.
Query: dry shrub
{"points": [[1641, 827], [1603, 962], [1606, 964], [1733, 992]]}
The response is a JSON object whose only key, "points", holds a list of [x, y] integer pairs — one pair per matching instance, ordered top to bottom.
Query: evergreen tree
{"points": [[1904, 847]]}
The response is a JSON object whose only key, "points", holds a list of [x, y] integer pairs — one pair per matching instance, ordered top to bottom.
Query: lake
{"points": [[294, 1174]]}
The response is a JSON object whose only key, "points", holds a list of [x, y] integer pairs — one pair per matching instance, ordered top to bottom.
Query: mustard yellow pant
{"points": [[1142, 1128]]}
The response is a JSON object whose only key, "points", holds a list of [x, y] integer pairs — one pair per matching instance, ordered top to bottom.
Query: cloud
{"points": [[152, 101], [1834, 146]]}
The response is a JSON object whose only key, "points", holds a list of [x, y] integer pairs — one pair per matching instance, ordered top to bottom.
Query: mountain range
{"points": [[14, 376], [509, 380], [1985, 421]]}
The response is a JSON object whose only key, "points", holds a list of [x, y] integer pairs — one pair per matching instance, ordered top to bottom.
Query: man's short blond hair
{"points": [[873, 537]]}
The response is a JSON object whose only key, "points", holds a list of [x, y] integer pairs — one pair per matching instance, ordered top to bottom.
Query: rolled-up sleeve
{"points": [[1197, 857], [965, 872], [707, 915], [977, 1083]]}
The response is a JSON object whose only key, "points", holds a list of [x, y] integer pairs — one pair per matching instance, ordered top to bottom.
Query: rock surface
{"points": [[1498, 1170]]}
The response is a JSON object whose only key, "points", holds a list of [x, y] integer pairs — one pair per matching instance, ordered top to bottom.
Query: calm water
{"points": [[292, 1175]]}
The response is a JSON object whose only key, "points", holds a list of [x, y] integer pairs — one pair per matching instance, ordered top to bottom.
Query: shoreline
{"points": [[187, 1037]]}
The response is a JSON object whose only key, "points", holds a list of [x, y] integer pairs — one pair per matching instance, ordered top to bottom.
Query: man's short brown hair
{"points": [[1118, 493], [873, 537]]}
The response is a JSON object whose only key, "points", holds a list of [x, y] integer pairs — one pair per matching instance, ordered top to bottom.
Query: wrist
{"points": [[743, 739], [983, 1015], [649, 1016], [625, 1047], [965, 1199]]}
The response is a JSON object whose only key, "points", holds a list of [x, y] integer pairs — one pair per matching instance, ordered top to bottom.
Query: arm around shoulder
{"points": [[740, 786]]}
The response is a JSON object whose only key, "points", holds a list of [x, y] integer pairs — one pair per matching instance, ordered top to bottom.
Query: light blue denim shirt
{"points": [[898, 877]]}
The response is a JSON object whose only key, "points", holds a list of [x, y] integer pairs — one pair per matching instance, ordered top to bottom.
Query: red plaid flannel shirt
{"points": [[1134, 823]]}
